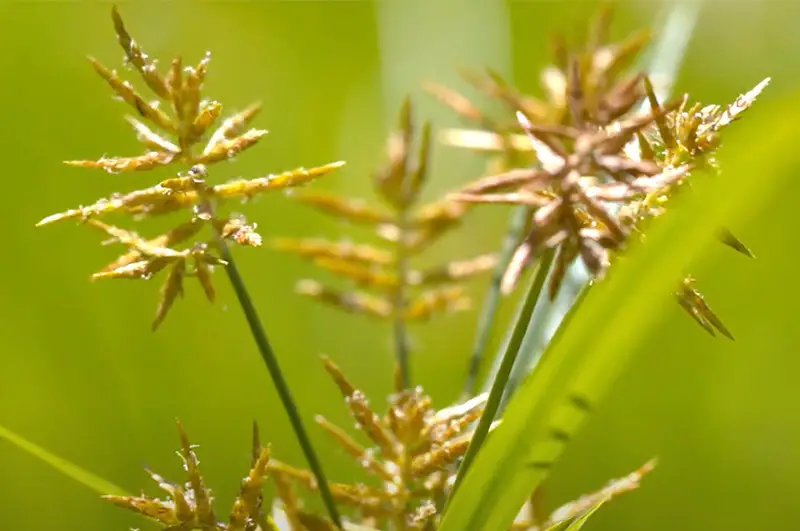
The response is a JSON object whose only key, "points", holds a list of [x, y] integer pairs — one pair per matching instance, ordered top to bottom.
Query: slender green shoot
{"points": [[516, 226], [399, 326], [531, 341], [512, 348], [271, 361], [69, 469]]}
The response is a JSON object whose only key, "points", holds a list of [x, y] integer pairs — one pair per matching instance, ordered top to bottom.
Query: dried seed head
{"points": [[570, 193]]}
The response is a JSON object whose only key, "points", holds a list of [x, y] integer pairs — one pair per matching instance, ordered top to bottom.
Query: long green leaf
{"points": [[580, 365], [501, 379], [71, 470]]}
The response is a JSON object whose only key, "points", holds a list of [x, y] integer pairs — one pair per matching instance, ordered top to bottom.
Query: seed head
{"points": [[173, 128]]}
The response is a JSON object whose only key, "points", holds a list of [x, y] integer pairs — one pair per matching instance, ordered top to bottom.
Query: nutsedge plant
{"points": [[191, 119], [586, 168]]}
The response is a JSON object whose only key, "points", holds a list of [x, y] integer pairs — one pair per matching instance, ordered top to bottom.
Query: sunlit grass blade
{"points": [[510, 355], [578, 367], [71, 470], [578, 523]]}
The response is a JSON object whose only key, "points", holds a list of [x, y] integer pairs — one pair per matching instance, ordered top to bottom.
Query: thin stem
{"points": [[516, 226], [400, 330], [538, 337], [539, 344], [512, 348], [271, 361]]}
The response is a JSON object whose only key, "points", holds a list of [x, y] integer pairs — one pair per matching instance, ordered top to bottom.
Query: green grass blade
{"points": [[514, 233], [510, 355], [582, 363], [71, 470], [581, 520]]}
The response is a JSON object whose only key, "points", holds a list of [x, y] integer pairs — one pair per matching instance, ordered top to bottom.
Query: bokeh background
{"points": [[82, 376]]}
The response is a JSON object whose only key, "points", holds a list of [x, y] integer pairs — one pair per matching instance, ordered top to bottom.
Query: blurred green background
{"points": [[83, 377]]}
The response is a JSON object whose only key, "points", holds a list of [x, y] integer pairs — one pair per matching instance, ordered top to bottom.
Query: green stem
{"points": [[516, 226], [400, 329], [538, 344], [509, 357], [271, 361]]}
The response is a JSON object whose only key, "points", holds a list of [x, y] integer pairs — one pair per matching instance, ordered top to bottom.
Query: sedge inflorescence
{"points": [[179, 127], [588, 162], [593, 162], [406, 229], [385, 282], [412, 444], [190, 505]]}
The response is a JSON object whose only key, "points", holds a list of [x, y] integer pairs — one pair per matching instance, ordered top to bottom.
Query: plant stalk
{"points": [[516, 225], [399, 328], [539, 345], [509, 357], [271, 361]]}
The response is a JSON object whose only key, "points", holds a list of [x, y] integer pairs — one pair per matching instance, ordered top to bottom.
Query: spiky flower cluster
{"points": [[185, 119], [687, 136], [600, 167], [406, 227], [414, 444], [189, 505]]}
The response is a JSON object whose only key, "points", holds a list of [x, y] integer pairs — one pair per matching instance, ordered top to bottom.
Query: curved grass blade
{"points": [[510, 355], [577, 369], [71, 470], [581, 520]]}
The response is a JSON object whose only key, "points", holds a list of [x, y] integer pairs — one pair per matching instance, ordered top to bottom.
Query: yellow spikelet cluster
{"points": [[179, 127], [688, 136], [586, 163], [406, 227], [415, 448], [411, 462], [189, 505]]}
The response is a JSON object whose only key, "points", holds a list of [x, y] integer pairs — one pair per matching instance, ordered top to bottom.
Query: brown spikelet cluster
{"points": [[585, 86], [179, 127], [687, 136], [594, 166], [406, 227], [413, 446], [189, 505]]}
